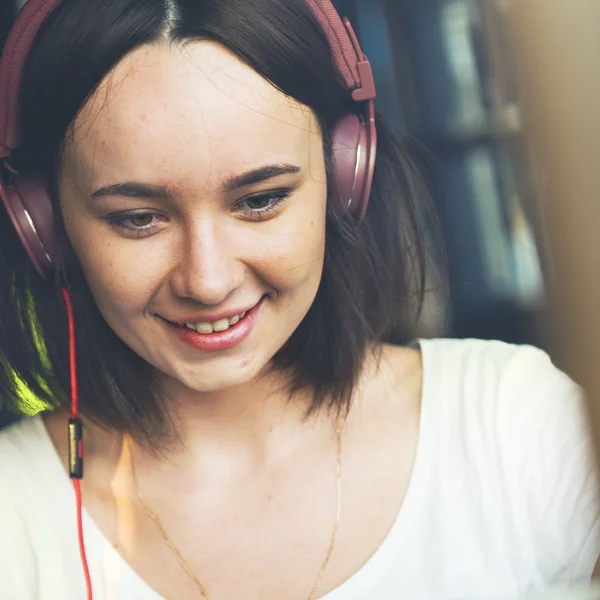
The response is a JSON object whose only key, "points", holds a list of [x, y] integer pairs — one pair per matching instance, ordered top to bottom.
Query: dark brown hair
{"points": [[373, 272]]}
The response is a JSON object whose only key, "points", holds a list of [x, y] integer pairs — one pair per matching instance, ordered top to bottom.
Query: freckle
{"points": [[270, 498]]}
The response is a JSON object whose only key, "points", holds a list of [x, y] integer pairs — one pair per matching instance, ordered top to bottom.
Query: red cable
{"points": [[72, 363], [74, 415], [86, 570]]}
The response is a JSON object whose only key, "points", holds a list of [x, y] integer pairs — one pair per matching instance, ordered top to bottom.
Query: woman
{"points": [[247, 432]]}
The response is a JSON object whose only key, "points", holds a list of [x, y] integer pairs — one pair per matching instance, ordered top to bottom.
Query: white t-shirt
{"points": [[503, 498]]}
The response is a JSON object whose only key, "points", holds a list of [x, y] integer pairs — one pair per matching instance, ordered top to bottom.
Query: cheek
{"points": [[295, 253], [116, 269], [121, 278], [117, 294]]}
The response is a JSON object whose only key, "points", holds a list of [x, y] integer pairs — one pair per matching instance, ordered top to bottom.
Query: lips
{"points": [[211, 318], [207, 327], [233, 335]]}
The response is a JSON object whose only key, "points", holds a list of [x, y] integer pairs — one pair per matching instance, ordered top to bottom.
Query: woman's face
{"points": [[194, 192]]}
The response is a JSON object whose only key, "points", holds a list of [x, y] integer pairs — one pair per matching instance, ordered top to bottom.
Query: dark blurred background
{"points": [[446, 85]]}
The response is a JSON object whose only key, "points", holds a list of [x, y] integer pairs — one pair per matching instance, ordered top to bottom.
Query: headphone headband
{"points": [[14, 55], [351, 62], [28, 202]]}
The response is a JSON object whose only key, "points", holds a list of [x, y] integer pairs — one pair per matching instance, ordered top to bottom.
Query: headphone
{"points": [[27, 199]]}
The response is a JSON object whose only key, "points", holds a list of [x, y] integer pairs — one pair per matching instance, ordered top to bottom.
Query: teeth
{"points": [[221, 325], [204, 327]]}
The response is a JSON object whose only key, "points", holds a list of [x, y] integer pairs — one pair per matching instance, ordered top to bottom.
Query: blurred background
{"points": [[448, 84]]}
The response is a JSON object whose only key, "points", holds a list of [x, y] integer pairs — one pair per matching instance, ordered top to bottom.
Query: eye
{"points": [[262, 206], [136, 224]]}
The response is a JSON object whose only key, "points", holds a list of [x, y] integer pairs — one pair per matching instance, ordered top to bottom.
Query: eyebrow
{"points": [[132, 189]]}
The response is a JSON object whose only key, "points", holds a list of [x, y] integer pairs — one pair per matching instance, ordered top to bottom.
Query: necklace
{"points": [[201, 588]]}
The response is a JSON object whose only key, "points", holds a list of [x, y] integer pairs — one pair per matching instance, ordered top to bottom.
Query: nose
{"points": [[207, 270]]}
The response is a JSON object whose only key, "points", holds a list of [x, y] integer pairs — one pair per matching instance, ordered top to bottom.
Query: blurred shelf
{"points": [[458, 140]]}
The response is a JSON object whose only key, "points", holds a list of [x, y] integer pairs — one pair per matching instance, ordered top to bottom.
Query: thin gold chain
{"points": [[336, 525]]}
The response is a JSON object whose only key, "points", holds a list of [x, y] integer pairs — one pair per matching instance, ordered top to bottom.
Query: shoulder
{"points": [[474, 354], [515, 379], [488, 383], [509, 399], [522, 423], [18, 444], [23, 445], [25, 457], [30, 467], [27, 501]]}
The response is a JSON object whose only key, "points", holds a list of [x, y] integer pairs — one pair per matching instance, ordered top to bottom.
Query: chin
{"points": [[220, 377]]}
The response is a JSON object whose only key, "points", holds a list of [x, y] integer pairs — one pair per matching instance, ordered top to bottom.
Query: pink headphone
{"points": [[27, 199], [28, 203]]}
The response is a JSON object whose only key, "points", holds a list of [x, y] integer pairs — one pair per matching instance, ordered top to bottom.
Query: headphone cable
{"points": [[76, 441]]}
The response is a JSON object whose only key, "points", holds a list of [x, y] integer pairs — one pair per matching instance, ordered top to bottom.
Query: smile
{"points": [[206, 327], [216, 335]]}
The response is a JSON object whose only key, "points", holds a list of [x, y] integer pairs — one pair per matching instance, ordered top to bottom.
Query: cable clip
{"points": [[75, 449]]}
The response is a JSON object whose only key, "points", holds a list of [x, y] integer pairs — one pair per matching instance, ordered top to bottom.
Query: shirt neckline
{"points": [[359, 582]]}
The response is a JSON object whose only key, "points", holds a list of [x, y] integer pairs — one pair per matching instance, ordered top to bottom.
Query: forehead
{"points": [[187, 109]]}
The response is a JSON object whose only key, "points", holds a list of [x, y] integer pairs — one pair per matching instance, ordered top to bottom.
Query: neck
{"points": [[243, 418], [240, 429]]}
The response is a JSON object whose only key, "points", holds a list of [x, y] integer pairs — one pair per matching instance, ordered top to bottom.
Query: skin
{"points": [[203, 253], [249, 498]]}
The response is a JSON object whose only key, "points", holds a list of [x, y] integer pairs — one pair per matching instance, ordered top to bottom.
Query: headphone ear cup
{"points": [[350, 163], [29, 207]]}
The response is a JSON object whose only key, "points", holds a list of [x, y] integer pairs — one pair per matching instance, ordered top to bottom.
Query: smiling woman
{"points": [[257, 143], [191, 179], [222, 228]]}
